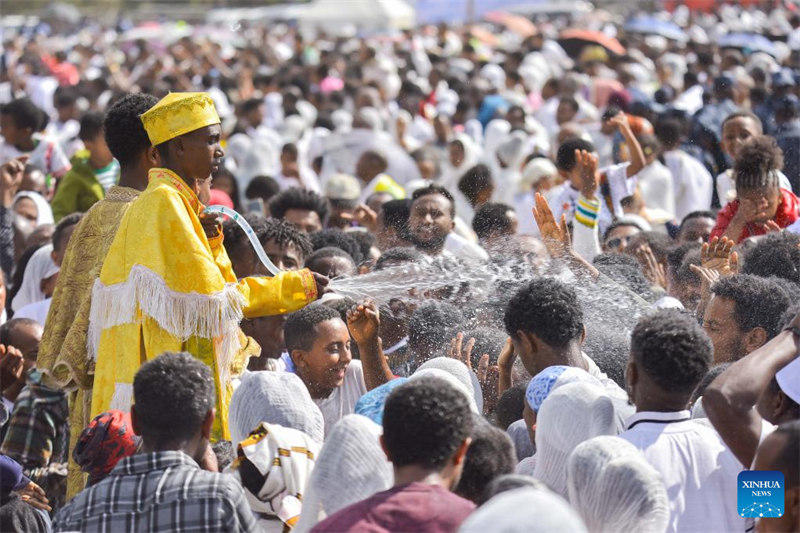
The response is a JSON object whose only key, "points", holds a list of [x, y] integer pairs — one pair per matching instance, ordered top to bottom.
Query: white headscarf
{"points": [[472, 156], [535, 170], [44, 213], [40, 267], [459, 371], [449, 378], [275, 398], [570, 415], [284, 459], [351, 467], [614, 488], [525, 510]]}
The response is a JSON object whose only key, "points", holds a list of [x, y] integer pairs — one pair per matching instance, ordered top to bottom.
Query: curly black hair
{"points": [[125, 134], [757, 163], [435, 189], [301, 199], [395, 213], [491, 219], [284, 234], [336, 238], [365, 241], [775, 255], [397, 256], [676, 256], [615, 259], [312, 260], [630, 277], [758, 302], [549, 309], [300, 328], [430, 328], [673, 350], [173, 394], [424, 422], [490, 455]]}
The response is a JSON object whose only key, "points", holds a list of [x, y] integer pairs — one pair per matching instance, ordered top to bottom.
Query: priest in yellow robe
{"points": [[166, 285], [62, 352]]}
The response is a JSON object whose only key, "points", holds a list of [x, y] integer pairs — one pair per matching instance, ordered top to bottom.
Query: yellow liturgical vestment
{"points": [[164, 287]]}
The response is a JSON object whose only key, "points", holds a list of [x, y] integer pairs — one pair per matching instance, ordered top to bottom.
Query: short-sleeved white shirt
{"points": [[342, 401], [699, 472]]}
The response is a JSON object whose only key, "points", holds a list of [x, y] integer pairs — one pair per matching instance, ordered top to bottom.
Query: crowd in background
{"points": [[583, 170]]}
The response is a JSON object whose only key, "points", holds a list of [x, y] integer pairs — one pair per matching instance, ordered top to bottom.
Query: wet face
{"points": [[736, 132], [199, 152], [456, 153], [762, 203], [26, 208], [304, 219], [430, 222], [696, 230], [617, 239], [286, 257], [333, 266], [720, 325], [267, 331], [322, 368]]}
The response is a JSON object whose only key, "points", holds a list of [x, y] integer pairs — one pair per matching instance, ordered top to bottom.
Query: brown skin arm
{"points": [[638, 161], [364, 323], [729, 401]]}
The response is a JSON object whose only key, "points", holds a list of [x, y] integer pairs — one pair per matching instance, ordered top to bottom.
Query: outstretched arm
{"points": [[730, 400]]}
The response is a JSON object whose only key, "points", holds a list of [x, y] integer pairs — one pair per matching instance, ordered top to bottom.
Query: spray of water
{"points": [[605, 303]]}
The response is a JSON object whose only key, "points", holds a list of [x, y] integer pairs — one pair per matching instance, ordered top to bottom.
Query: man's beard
{"points": [[434, 243]]}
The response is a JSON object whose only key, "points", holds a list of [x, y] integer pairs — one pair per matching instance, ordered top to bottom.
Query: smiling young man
{"points": [[431, 219], [167, 282], [318, 342]]}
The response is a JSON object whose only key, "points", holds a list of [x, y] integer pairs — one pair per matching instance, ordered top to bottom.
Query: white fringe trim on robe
{"points": [[183, 315]]}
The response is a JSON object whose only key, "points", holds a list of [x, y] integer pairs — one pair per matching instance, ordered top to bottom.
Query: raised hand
{"points": [[11, 174], [589, 178], [366, 217], [554, 235], [718, 255], [653, 270], [364, 323], [462, 353], [12, 367]]}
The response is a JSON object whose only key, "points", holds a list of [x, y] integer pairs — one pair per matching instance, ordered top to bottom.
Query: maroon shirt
{"points": [[417, 507]]}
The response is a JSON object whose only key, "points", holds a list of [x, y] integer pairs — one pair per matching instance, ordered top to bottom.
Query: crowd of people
{"points": [[509, 282]]}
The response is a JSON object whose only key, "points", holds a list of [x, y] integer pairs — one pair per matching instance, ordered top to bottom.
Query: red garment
{"points": [[786, 215], [108, 438], [417, 507]]}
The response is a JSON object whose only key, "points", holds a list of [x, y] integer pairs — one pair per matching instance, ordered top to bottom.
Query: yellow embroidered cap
{"points": [[179, 113]]}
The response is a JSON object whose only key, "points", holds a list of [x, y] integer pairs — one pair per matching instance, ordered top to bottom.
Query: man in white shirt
{"points": [[693, 185], [318, 342], [670, 354], [746, 400]]}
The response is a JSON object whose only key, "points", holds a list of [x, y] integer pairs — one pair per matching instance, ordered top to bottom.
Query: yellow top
{"points": [[177, 114], [164, 286]]}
